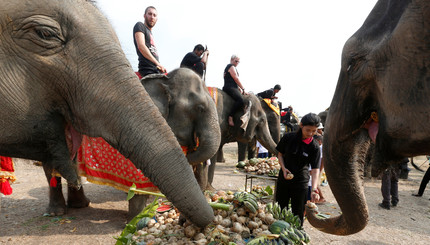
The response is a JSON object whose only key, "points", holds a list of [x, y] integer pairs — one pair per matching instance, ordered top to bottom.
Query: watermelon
{"points": [[278, 226]]}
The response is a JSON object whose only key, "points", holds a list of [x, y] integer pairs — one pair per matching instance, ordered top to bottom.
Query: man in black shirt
{"points": [[145, 46], [196, 60], [270, 93]]}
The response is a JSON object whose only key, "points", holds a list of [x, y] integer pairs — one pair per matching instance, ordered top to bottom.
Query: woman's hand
{"points": [[287, 174]]}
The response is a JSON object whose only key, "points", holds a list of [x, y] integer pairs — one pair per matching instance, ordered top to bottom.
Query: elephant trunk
{"points": [[128, 120], [208, 133], [264, 137], [343, 163]]}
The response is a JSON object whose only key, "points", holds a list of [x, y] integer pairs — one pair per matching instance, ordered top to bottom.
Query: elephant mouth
{"points": [[371, 124]]}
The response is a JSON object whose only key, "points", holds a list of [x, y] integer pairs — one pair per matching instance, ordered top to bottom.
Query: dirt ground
{"points": [[22, 220]]}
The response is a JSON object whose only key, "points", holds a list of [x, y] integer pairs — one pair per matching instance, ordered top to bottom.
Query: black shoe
{"points": [[417, 195], [394, 204], [384, 206]]}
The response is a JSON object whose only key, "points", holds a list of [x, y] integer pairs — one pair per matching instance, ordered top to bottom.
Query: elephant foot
{"points": [[210, 188], [76, 198], [136, 205], [57, 209]]}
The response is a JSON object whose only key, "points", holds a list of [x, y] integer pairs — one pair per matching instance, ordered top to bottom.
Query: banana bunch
{"points": [[273, 173], [246, 199], [283, 214], [291, 236], [294, 236]]}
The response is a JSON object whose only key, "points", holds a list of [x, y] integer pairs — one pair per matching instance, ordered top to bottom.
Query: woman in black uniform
{"points": [[232, 85], [298, 150]]}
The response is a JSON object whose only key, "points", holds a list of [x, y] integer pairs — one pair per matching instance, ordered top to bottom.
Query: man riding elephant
{"points": [[63, 70]]}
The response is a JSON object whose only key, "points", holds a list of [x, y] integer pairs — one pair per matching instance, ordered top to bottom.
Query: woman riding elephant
{"points": [[60, 72], [257, 125]]}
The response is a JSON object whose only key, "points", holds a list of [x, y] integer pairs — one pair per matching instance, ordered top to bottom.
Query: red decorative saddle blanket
{"points": [[102, 164], [7, 175]]}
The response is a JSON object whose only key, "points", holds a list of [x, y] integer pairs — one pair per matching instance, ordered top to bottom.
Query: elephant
{"points": [[63, 70], [383, 82], [184, 101], [273, 121], [257, 126]]}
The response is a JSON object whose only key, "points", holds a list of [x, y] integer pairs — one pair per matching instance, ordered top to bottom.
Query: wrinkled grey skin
{"points": [[61, 63], [385, 69], [184, 101], [273, 121], [257, 127]]}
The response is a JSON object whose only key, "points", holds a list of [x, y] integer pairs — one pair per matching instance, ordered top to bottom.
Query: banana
{"points": [[299, 234]]}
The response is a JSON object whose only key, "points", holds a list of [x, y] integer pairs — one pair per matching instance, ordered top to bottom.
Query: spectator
{"points": [[145, 45], [196, 60], [233, 86], [286, 118], [297, 150], [262, 152], [424, 183], [389, 186]]}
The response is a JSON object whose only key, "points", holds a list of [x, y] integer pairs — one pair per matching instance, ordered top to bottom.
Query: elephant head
{"points": [[61, 64], [384, 82], [184, 101], [273, 122], [258, 126]]}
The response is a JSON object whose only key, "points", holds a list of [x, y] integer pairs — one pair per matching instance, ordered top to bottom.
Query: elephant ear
{"points": [[157, 88]]}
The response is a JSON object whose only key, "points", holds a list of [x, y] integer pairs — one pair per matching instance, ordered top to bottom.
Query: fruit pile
{"points": [[261, 165], [248, 220]]}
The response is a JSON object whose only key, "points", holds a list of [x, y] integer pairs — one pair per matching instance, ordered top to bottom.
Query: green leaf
{"points": [[269, 190], [130, 194], [130, 228]]}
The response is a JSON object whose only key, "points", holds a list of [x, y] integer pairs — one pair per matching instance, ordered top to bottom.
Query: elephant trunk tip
{"points": [[334, 225]]}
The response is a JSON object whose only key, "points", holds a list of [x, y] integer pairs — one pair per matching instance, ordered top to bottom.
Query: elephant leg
{"points": [[252, 148], [241, 151], [220, 155], [211, 173], [201, 174], [76, 198], [57, 204], [136, 205]]}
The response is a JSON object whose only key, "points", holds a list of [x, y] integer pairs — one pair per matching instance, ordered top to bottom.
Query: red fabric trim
{"points": [[6, 164], [53, 182], [5, 187]]}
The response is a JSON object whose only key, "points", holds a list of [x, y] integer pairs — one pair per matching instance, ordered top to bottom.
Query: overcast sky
{"points": [[296, 44]]}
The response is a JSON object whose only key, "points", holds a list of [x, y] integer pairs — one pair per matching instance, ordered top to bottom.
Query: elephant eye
{"points": [[45, 33], [39, 34]]}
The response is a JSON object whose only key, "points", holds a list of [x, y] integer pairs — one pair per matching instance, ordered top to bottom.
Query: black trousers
{"points": [[198, 68], [237, 97], [424, 182], [389, 186], [297, 193]]}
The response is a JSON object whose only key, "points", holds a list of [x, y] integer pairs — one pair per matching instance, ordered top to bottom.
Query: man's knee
{"points": [[198, 68]]}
